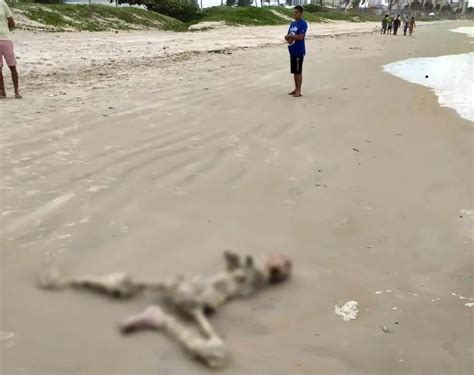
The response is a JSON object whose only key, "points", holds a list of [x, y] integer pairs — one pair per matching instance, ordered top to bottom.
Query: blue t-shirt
{"points": [[298, 28]]}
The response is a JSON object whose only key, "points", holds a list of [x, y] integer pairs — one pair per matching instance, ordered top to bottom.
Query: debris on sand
{"points": [[469, 304], [347, 312], [385, 329]]}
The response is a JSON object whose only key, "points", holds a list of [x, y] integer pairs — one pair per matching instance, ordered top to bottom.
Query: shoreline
{"points": [[48, 54], [160, 167]]}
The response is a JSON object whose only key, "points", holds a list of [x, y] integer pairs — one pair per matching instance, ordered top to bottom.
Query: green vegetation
{"points": [[183, 10], [316, 13], [277, 15], [242, 16], [63, 17]]}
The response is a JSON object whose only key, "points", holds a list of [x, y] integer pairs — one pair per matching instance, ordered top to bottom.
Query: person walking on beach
{"points": [[384, 24], [396, 24], [406, 24], [389, 25], [411, 25], [296, 47], [7, 52]]}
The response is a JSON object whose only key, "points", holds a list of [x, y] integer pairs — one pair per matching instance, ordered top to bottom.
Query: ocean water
{"points": [[464, 30], [451, 77]]}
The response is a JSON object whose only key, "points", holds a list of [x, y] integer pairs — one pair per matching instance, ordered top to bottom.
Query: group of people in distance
{"points": [[388, 23]]}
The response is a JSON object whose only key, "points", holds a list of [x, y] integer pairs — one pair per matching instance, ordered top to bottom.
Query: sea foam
{"points": [[464, 30], [451, 77]]}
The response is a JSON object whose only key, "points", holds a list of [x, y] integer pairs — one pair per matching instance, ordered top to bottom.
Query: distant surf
{"points": [[464, 30], [451, 77]]}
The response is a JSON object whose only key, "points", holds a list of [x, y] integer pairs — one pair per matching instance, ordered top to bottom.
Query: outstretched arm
{"points": [[210, 350]]}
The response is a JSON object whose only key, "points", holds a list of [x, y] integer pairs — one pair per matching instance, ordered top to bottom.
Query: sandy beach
{"points": [[152, 152]]}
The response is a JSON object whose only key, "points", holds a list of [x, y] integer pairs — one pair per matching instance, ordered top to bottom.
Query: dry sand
{"points": [[130, 157]]}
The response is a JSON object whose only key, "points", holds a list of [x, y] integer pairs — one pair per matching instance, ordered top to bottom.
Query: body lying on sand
{"points": [[192, 296]]}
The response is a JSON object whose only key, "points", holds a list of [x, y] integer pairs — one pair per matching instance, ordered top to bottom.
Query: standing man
{"points": [[406, 23], [384, 24], [390, 24], [396, 24], [411, 26], [296, 47], [7, 52]]}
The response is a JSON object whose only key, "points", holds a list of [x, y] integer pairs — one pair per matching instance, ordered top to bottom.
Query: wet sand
{"points": [[154, 162]]}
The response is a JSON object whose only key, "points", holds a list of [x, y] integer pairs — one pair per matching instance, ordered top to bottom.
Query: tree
{"points": [[392, 4], [416, 5], [428, 7]]}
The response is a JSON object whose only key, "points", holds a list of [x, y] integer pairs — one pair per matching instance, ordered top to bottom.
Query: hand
{"points": [[11, 24]]}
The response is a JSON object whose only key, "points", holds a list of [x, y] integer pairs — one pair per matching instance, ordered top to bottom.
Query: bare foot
{"points": [[292, 93], [297, 95], [18, 96], [152, 318]]}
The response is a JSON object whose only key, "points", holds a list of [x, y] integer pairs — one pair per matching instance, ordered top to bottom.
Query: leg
{"points": [[8, 52], [292, 70], [298, 72], [15, 81], [299, 83], [294, 91], [3, 94], [117, 285], [204, 324], [211, 351]]}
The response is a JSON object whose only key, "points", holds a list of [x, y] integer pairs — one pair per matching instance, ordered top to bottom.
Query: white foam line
{"points": [[469, 31], [448, 76]]}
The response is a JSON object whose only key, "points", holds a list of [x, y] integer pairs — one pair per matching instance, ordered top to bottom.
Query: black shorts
{"points": [[296, 64]]}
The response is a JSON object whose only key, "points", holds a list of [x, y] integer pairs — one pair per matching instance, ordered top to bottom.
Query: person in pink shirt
{"points": [[7, 51]]}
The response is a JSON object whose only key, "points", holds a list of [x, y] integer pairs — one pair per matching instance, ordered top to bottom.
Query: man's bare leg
{"points": [[15, 80], [298, 84], [294, 91], [3, 94], [211, 351]]}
